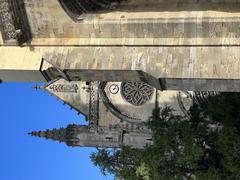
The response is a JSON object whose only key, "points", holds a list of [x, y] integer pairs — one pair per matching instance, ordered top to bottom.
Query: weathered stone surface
{"points": [[152, 23], [141, 41], [168, 44], [160, 62], [127, 63]]}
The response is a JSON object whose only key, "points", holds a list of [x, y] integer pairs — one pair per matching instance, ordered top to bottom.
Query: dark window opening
{"points": [[76, 8], [109, 138]]}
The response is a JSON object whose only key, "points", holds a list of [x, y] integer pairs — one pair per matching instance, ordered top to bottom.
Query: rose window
{"points": [[136, 93]]}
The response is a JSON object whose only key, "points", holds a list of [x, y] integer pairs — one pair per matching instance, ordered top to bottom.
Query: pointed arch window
{"points": [[77, 8]]}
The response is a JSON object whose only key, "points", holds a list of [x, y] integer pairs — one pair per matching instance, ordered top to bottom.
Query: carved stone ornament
{"points": [[14, 23], [7, 24], [64, 88], [137, 93], [94, 104]]}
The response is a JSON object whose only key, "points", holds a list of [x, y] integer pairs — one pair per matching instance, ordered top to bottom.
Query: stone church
{"points": [[114, 61]]}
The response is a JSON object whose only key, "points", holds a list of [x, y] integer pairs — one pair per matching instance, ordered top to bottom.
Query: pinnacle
{"points": [[55, 134], [67, 135]]}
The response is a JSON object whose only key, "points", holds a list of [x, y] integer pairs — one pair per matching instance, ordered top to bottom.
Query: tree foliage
{"points": [[204, 146]]}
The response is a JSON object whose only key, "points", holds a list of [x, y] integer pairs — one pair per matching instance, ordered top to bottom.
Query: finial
{"points": [[37, 87], [30, 133]]}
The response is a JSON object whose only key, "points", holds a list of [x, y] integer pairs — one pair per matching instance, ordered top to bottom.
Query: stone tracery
{"points": [[136, 93]]}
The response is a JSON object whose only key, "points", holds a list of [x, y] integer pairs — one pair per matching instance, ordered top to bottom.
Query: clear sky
{"points": [[23, 157]]}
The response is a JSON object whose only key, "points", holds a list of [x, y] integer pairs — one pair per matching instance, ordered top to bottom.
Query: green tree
{"points": [[204, 146], [106, 160]]}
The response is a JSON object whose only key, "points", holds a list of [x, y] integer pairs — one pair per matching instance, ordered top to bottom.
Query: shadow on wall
{"points": [[76, 8]]}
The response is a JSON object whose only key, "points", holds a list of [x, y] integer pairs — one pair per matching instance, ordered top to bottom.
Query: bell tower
{"points": [[83, 136]]}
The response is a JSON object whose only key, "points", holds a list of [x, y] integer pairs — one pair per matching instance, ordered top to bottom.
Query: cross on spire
{"points": [[37, 87]]}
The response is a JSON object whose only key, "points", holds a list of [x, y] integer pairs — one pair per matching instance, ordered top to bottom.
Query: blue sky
{"points": [[23, 157]]}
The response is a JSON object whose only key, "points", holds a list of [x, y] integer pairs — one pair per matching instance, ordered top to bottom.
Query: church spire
{"points": [[55, 134], [67, 135]]}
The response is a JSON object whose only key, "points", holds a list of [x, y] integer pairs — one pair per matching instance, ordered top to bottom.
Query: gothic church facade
{"points": [[114, 61]]}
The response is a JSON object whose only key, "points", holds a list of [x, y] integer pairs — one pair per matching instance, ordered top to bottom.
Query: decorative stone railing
{"points": [[13, 22]]}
